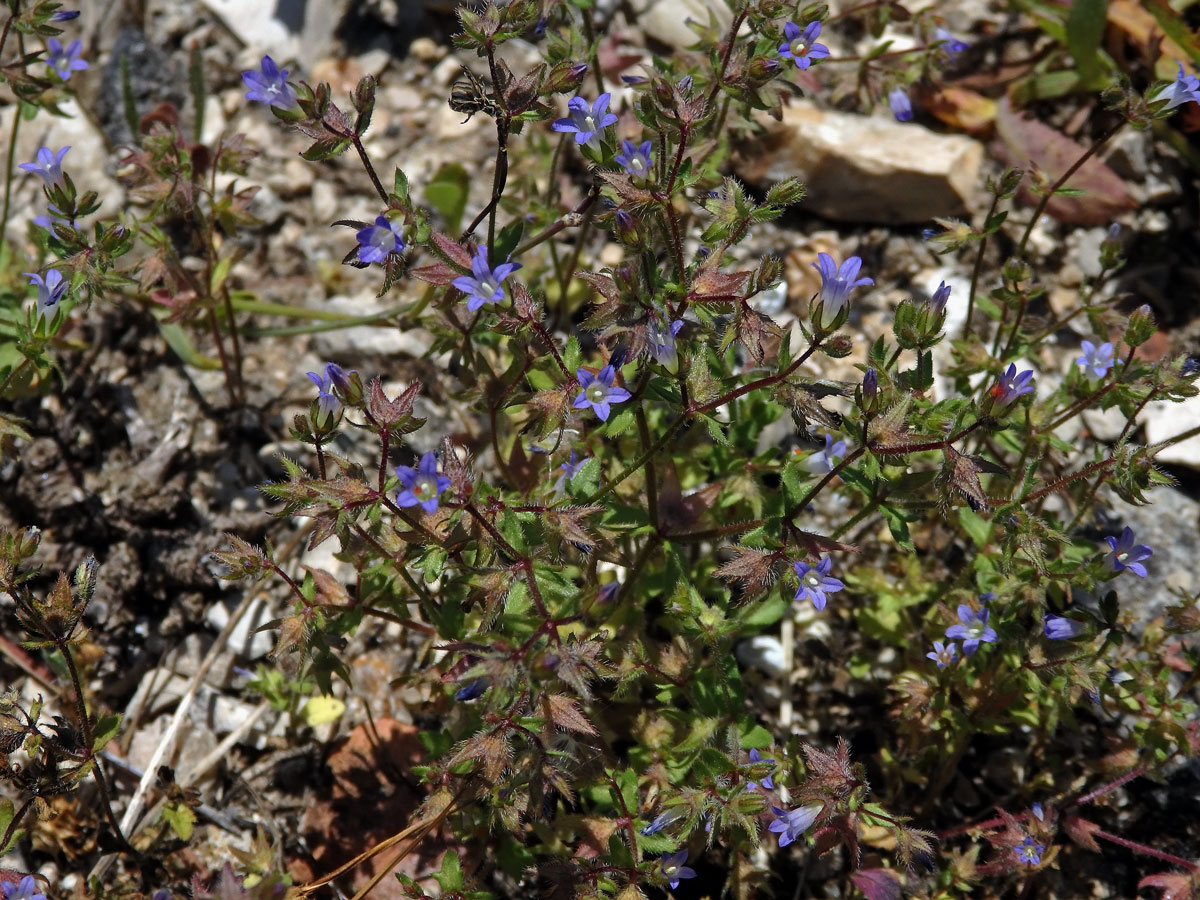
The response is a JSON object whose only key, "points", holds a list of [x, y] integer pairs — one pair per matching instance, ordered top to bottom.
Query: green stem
{"points": [[8, 166], [1045, 201], [639, 462]]}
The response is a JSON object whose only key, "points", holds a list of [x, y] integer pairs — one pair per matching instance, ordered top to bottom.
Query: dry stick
{"points": [[166, 745]]}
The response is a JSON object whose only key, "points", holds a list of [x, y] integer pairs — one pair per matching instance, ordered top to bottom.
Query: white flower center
{"points": [[799, 47], [589, 123], [636, 164], [488, 286], [596, 392], [424, 488], [812, 580]]}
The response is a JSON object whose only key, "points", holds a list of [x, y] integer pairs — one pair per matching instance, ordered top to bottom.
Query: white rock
{"points": [[666, 20], [867, 169], [1165, 420], [243, 639], [762, 652]]}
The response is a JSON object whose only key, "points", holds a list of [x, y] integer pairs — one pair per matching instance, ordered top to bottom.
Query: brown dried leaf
{"points": [[1026, 142], [452, 250], [963, 475], [755, 570], [330, 591], [562, 711], [1082, 832], [1175, 885]]}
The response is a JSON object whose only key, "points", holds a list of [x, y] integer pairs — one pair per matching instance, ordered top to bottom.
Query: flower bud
{"points": [[762, 69], [565, 78], [627, 228], [1141, 326], [838, 346], [870, 386]]}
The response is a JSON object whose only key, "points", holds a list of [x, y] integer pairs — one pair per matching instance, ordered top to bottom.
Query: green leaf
{"points": [[1085, 27], [447, 193], [507, 239], [178, 340], [619, 424], [979, 528], [106, 729], [755, 737], [626, 780], [181, 819], [451, 877]]}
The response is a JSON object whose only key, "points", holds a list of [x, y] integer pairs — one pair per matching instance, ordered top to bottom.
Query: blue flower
{"points": [[65, 15], [952, 45], [801, 46], [64, 61], [270, 85], [1184, 89], [900, 104], [587, 121], [636, 160], [47, 166], [54, 216], [376, 241], [837, 282], [483, 285], [51, 290], [939, 299], [662, 345], [1098, 360], [1012, 384], [599, 392], [327, 401], [825, 460], [569, 470], [422, 485], [1124, 554], [815, 582], [609, 592], [1060, 628], [974, 629], [943, 654], [472, 690], [768, 782], [663, 819], [790, 825], [1029, 851], [673, 868], [26, 890]]}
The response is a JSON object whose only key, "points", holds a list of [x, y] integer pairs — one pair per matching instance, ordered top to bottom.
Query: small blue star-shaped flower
{"points": [[65, 15], [950, 44], [801, 46], [65, 61], [270, 85], [1184, 89], [900, 104], [586, 121], [636, 160], [47, 166], [376, 241], [837, 282], [482, 286], [51, 290], [662, 345], [1096, 360], [1012, 384], [599, 392], [328, 403], [825, 460], [422, 485], [1124, 554], [816, 582], [1060, 628], [973, 629], [943, 654], [769, 781], [791, 824], [1029, 851], [673, 868], [26, 889]]}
